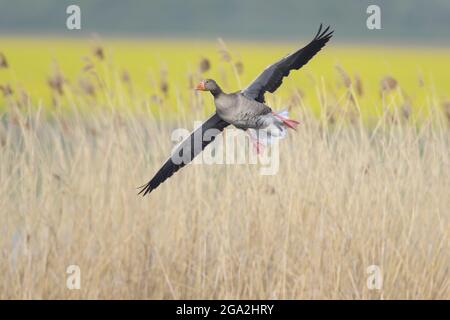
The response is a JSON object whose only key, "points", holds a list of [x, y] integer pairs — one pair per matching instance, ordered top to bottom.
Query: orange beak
{"points": [[200, 86]]}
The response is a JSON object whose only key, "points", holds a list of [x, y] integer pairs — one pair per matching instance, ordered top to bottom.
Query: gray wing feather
{"points": [[271, 78], [188, 145]]}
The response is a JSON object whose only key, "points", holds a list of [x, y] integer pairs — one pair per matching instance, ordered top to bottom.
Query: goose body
{"points": [[240, 111]]}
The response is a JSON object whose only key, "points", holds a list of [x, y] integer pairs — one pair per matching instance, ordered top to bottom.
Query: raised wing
{"points": [[272, 77], [186, 151]]}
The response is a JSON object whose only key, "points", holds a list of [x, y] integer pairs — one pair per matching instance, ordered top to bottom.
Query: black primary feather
{"points": [[272, 77]]}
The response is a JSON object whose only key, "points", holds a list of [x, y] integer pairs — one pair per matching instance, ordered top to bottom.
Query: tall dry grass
{"points": [[350, 193], [346, 197]]}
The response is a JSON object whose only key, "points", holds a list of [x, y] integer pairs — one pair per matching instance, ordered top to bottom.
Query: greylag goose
{"points": [[244, 109]]}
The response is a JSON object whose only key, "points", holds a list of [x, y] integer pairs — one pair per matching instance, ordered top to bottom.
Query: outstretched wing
{"points": [[271, 78], [186, 151]]}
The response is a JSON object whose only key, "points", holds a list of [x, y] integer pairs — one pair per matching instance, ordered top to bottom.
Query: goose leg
{"points": [[257, 145]]}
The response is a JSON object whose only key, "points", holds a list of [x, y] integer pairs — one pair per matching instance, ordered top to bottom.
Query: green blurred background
{"points": [[402, 21]]}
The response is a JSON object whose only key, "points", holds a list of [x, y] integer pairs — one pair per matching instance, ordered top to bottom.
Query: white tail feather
{"points": [[265, 136]]}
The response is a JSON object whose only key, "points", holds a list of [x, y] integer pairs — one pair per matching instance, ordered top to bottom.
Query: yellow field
{"points": [[421, 73], [363, 181]]}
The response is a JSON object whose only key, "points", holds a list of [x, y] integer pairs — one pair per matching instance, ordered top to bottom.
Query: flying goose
{"points": [[245, 109]]}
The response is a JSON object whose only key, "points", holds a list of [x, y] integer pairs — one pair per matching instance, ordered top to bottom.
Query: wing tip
{"points": [[318, 32], [326, 34], [145, 189]]}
